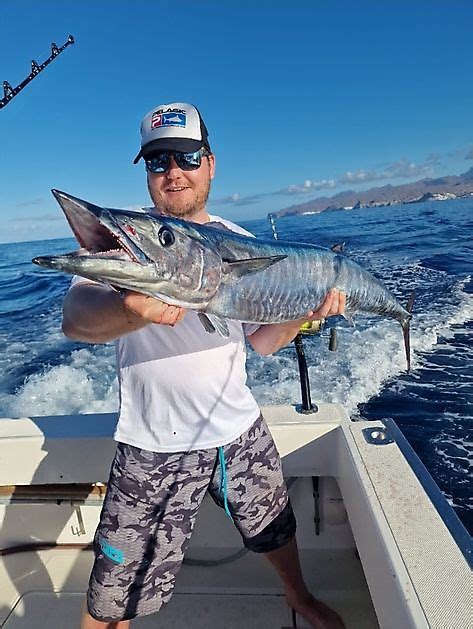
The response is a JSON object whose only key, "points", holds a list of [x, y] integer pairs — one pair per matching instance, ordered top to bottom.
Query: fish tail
{"points": [[406, 329]]}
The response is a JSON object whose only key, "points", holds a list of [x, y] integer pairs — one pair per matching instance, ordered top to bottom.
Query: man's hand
{"points": [[333, 304], [151, 309], [96, 313], [269, 338]]}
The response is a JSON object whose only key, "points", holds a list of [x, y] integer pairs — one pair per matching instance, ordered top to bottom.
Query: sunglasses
{"points": [[159, 162]]}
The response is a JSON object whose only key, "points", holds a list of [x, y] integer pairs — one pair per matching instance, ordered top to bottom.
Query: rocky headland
{"points": [[438, 189]]}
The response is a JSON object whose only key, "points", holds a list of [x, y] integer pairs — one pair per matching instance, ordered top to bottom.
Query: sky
{"points": [[301, 99]]}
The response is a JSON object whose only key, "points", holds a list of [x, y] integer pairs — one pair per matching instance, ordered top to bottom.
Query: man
{"points": [[188, 423]]}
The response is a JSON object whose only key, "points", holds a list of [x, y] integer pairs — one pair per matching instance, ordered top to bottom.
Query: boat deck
{"points": [[373, 544], [245, 593]]}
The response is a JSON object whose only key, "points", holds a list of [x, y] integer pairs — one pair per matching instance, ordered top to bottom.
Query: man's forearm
{"points": [[94, 313], [269, 338]]}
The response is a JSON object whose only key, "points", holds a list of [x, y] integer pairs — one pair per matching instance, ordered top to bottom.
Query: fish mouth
{"points": [[97, 232]]}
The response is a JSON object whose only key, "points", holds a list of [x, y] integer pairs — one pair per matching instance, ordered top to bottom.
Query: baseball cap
{"points": [[172, 127]]}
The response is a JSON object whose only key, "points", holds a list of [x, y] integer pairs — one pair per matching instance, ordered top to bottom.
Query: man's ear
{"points": [[211, 158]]}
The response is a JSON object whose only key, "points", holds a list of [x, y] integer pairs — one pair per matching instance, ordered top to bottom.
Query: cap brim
{"points": [[184, 145]]}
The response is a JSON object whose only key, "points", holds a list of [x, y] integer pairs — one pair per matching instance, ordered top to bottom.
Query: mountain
{"points": [[438, 189]]}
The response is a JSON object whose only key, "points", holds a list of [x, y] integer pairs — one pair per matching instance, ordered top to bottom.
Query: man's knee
{"points": [[276, 534]]}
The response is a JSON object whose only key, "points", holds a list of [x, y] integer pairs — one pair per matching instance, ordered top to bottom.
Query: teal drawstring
{"points": [[223, 481]]}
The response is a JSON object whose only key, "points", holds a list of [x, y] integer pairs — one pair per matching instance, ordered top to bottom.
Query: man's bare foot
{"points": [[316, 613]]}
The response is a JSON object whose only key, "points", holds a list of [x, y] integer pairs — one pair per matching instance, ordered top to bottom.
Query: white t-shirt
{"points": [[182, 388]]}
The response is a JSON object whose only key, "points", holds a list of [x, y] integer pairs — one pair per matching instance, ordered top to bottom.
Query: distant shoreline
{"points": [[441, 189], [425, 197]]}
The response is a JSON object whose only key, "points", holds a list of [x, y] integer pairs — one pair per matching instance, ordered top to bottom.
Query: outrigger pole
{"points": [[10, 92]]}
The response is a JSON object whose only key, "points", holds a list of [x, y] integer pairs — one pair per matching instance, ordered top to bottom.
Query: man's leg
{"points": [[263, 514], [147, 519], [286, 562], [87, 622]]}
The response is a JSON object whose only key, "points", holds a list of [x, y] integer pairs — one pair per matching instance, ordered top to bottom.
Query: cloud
{"points": [[464, 152], [433, 158], [403, 168], [361, 176], [308, 186], [230, 199], [237, 200], [30, 202], [37, 218], [39, 227]]}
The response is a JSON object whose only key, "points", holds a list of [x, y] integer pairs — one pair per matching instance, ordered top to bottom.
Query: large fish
{"points": [[210, 269]]}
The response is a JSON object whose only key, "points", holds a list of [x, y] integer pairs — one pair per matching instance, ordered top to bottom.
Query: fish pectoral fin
{"points": [[250, 265], [206, 323], [212, 323]]}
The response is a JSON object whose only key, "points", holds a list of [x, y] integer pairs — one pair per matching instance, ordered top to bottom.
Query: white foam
{"points": [[367, 357], [352, 374], [86, 385]]}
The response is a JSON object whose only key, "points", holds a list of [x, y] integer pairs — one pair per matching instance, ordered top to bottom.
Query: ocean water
{"points": [[425, 247]]}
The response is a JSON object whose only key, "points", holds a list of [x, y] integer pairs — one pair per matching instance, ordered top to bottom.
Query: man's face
{"points": [[183, 193]]}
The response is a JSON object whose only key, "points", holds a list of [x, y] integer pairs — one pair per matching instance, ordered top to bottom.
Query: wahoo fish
{"points": [[215, 271]]}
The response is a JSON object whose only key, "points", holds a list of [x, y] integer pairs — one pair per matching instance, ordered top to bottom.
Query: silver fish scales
{"points": [[297, 283]]}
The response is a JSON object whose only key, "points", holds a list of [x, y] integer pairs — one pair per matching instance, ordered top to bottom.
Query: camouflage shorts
{"points": [[150, 510]]}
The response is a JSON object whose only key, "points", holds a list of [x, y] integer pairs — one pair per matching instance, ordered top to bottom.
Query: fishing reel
{"points": [[311, 328]]}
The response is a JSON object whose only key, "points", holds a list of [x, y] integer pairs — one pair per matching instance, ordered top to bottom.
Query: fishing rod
{"points": [[10, 92], [313, 327]]}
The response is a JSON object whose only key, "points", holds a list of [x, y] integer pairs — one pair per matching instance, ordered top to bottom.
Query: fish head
{"points": [[138, 251]]}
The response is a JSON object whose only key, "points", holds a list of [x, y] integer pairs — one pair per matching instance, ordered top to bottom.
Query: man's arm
{"points": [[95, 313], [269, 338]]}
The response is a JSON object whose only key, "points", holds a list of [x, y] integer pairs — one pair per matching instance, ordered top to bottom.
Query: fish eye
{"points": [[166, 236]]}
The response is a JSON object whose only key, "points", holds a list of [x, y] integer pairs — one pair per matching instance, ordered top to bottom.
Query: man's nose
{"points": [[173, 169]]}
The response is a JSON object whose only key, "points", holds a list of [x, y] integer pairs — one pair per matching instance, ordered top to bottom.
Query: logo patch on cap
{"points": [[171, 119]]}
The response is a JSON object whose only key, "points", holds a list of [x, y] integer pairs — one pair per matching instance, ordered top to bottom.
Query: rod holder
{"points": [[332, 344], [307, 407]]}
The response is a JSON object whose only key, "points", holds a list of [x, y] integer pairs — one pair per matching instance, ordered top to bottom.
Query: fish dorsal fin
{"points": [[240, 268], [212, 323]]}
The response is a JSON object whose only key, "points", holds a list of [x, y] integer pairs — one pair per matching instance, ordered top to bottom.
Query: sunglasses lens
{"points": [[188, 161], [159, 162]]}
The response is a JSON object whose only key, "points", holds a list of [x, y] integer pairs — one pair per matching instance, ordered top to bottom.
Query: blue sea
{"points": [[426, 247]]}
